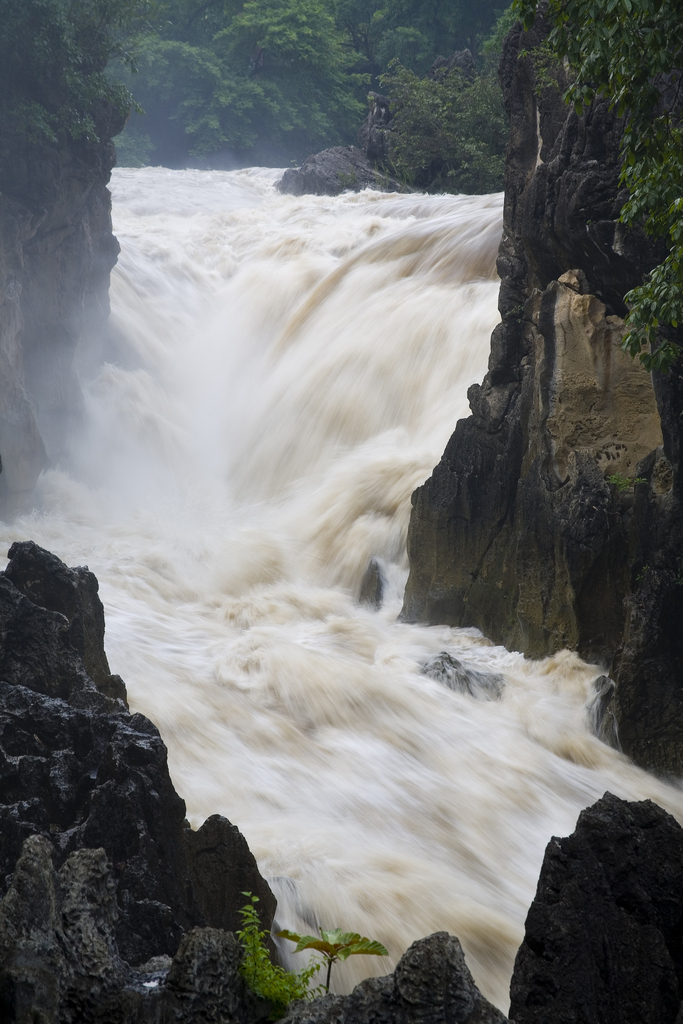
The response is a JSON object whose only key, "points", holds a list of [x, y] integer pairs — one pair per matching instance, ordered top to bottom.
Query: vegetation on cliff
{"points": [[631, 52], [53, 55]]}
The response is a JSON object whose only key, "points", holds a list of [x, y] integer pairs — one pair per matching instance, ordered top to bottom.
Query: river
{"points": [[284, 372]]}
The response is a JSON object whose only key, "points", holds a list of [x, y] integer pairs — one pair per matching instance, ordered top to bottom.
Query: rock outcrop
{"points": [[374, 135], [333, 171], [56, 253], [554, 518], [77, 769], [603, 934], [59, 960], [431, 984]]}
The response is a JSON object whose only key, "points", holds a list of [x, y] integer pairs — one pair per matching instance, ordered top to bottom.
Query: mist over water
{"points": [[288, 371]]}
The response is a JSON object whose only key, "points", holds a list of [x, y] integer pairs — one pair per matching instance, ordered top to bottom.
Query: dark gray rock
{"points": [[461, 60], [374, 136], [333, 171], [56, 253], [518, 531], [372, 585], [454, 674], [78, 769], [603, 940], [59, 962], [431, 985]]}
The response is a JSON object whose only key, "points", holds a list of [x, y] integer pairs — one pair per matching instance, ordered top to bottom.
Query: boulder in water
{"points": [[333, 171], [373, 585], [454, 674]]}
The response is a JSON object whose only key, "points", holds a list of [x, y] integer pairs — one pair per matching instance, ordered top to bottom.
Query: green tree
{"points": [[414, 32], [631, 52], [53, 56], [267, 81], [449, 133]]}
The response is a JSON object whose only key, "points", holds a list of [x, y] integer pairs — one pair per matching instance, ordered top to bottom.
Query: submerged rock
{"points": [[333, 171], [373, 585], [454, 674], [78, 769], [603, 935], [431, 984]]}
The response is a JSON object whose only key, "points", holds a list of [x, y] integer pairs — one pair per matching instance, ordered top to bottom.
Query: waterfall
{"points": [[283, 372]]}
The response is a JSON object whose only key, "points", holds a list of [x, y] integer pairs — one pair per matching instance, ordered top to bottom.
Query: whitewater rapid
{"points": [[285, 371]]}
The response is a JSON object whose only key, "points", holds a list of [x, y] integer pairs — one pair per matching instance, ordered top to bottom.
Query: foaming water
{"points": [[290, 369]]}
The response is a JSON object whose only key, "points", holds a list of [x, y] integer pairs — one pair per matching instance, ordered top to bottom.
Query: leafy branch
{"points": [[335, 945]]}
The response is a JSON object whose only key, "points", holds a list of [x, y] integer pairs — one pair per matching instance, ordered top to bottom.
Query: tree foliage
{"points": [[413, 32], [631, 52], [53, 56], [275, 80], [449, 133], [335, 945]]}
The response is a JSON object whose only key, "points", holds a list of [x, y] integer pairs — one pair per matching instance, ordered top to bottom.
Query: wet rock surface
{"points": [[333, 171], [56, 253], [520, 531], [372, 585], [463, 678], [78, 769], [603, 941], [431, 983]]}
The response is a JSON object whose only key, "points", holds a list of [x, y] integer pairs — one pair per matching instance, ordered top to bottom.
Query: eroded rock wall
{"points": [[56, 253], [519, 530], [78, 770]]}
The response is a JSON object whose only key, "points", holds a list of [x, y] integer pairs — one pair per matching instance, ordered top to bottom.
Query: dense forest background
{"points": [[227, 83]]}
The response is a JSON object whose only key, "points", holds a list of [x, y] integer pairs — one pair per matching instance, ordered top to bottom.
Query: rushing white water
{"points": [[290, 370]]}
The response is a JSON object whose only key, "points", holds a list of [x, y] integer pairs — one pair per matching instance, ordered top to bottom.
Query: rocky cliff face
{"points": [[56, 253], [519, 531], [80, 772]]}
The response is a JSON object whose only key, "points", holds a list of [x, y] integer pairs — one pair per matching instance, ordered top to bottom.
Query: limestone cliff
{"points": [[56, 253], [519, 531]]}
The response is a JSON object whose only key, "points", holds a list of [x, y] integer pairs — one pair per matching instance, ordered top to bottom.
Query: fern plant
{"points": [[335, 945], [266, 979]]}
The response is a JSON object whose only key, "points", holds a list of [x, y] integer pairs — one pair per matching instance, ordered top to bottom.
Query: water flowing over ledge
{"points": [[284, 372]]}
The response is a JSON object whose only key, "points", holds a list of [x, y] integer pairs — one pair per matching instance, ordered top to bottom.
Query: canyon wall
{"points": [[56, 253], [520, 531]]}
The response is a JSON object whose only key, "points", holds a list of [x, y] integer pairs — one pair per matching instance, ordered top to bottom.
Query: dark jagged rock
{"points": [[461, 60], [374, 134], [333, 171], [56, 253], [519, 530], [49, 584], [372, 585], [446, 669], [77, 768], [603, 934], [59, 960], [431, 984]]}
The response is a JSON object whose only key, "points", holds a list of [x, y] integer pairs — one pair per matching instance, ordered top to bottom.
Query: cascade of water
{"points": [[288, 370]]}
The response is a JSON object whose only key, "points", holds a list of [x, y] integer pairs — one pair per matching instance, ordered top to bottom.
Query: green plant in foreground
{"points": [[335, 945], [264, 978]]}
